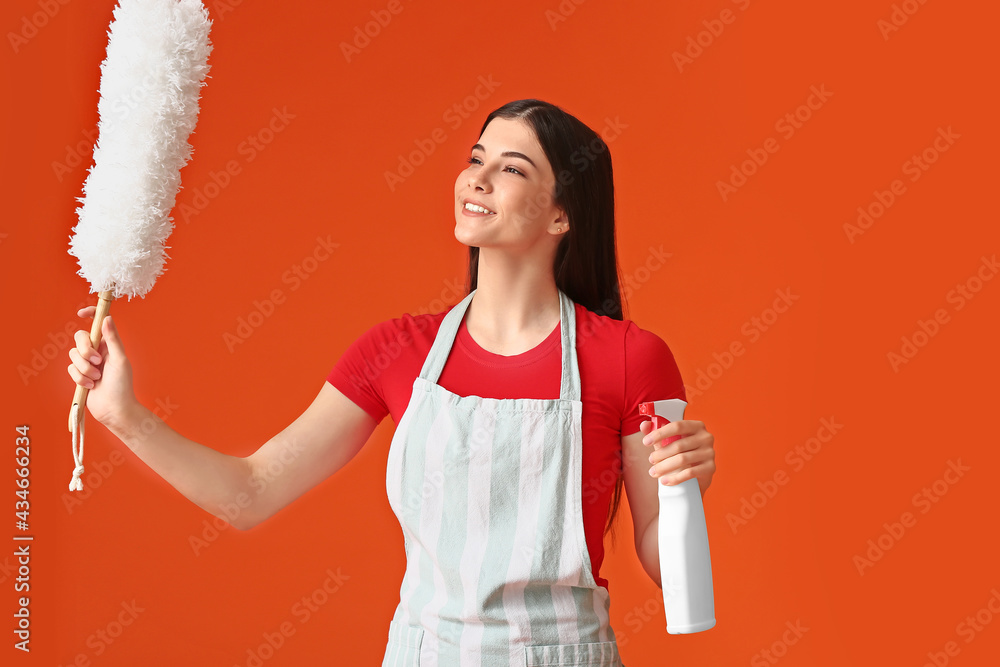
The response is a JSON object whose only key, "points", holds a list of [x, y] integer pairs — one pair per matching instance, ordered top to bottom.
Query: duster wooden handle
{"points": [[104, 300]]}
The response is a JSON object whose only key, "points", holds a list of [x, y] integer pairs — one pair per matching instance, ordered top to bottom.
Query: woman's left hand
{"points": [[681, 450]]}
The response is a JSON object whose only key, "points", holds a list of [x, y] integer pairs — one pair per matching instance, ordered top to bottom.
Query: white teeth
{"points": [[478, 209]]}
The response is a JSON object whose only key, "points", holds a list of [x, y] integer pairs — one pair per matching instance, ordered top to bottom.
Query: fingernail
{"points": [[95, 359], [652, 472]]}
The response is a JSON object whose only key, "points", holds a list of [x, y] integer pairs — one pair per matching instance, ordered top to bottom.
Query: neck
{"points": [[515, 299]]}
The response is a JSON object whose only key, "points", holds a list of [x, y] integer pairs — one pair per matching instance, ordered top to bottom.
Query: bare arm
{"points": [[316, 445], [681, 457], [205, 476], [247, 490], [643, 501]]}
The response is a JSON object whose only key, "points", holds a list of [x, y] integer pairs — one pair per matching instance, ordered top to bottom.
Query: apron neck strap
{"points": [[569, 386]]}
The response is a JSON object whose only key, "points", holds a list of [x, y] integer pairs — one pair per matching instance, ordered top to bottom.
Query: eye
{"points": [[475, 160]]}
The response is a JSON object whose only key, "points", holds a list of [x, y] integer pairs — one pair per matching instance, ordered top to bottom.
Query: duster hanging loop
{"points": [[77, 414], [76, 421]]}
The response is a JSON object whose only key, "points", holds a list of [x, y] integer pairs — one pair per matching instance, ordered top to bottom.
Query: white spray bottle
{"points": [[685, 562]]}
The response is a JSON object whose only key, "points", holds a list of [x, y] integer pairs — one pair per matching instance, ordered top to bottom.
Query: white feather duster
{"points": [[150, 82]]}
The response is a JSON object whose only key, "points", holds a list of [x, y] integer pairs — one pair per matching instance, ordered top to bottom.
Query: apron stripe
{"points": [[531, 442], [504, 462], [430, 495], [401, 498], [478, 515], [556, 551]]}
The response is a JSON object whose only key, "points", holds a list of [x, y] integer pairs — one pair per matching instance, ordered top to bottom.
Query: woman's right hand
{"points": [[105, 372]]}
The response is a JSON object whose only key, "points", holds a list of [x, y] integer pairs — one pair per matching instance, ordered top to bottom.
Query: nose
{"points": [[478, 182]]}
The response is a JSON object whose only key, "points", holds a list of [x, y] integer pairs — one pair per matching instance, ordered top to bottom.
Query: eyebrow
{"points": [[508, 154]]}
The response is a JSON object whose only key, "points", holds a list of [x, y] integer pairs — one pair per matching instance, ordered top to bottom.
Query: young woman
{"points": [[516, 411]]}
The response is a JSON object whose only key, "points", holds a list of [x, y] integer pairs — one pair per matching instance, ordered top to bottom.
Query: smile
{"points": [[478, 209]]}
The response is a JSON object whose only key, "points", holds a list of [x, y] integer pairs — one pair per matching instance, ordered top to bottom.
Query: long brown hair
{"points": [[586, 261]]}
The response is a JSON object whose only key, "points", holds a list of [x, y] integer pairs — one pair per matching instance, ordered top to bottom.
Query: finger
{"points": [[87, 311], [110, 334], [83, 345], [84, 366], [78, 378], [686, 426], [671, 433], [651, 436], [657, 438], [690, 446], [678, 458], [675, 459], [678, 465], [684, 475]]}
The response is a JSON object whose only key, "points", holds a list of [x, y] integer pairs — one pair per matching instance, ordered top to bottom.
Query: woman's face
{"points": [[509, 175]]}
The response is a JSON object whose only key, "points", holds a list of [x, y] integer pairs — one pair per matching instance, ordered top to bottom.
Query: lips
{"points": [[473, 207]]}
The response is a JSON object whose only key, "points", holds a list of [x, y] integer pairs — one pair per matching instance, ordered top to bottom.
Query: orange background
{"points": [[827, 357]]}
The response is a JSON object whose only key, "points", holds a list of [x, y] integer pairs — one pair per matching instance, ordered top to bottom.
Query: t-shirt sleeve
{"points": [[651, 374], [359, 379]]}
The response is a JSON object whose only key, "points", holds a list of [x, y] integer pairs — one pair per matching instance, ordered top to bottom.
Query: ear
{"points": [[560, 225]]}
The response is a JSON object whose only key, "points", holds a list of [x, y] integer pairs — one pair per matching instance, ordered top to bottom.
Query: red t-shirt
{"points": [[620, 365]]}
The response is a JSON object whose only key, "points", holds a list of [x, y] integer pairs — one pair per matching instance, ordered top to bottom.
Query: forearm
{"points": [[206, 477], [648, 546], [648, 549]]}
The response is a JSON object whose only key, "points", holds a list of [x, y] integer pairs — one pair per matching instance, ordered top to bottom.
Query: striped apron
{"points": [[488, 494]]}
